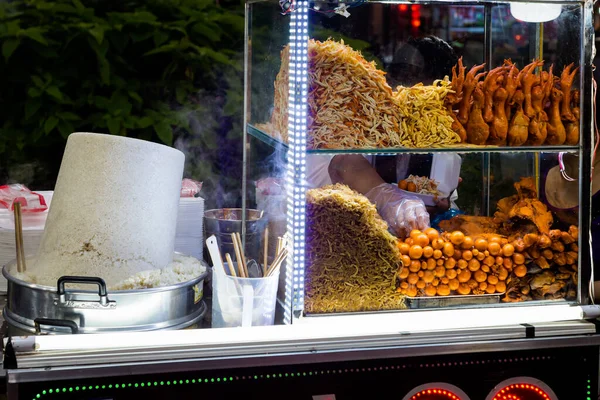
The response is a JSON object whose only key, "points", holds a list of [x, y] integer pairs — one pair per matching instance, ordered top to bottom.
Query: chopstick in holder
{"points": [[19, 238], [279, 246], [241, 247], [238, 255], [277, 263], [230, 265], [265, 267]]}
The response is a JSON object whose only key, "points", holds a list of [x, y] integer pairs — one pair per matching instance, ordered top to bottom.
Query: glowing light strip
{"points": [[296, 167], [336, 327]]}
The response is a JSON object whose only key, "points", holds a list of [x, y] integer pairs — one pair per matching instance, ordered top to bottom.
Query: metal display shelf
{"points": [[276, 143]]}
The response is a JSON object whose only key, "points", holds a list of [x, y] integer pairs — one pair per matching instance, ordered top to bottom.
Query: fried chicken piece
{"points": [[566, 81], [469, 86], [499, 124], [519, 126], [572, 128], [477, 130], [556, 130], [526, 188], [534, 211], [470, 225], [545, 278], [552, 289]]}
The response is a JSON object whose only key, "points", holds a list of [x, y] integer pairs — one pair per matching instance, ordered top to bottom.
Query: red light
{"points": [[403, 7], [415, 7], [415, 23], [517, 389], [437, 394]]}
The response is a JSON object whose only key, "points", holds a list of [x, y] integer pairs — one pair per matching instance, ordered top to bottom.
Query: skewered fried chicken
{"points": [[527, 79], [458, 80], [471, 81], [566, 81], [492, 82], [511, 84], [453, 99], [499, 125], [519, 126], [538, 126], [572, 128], [477, 130], [556, 130]]}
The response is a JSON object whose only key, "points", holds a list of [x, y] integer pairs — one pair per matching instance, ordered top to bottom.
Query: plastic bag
{"points": [[190, 188], [30, 201], [451, 213]]}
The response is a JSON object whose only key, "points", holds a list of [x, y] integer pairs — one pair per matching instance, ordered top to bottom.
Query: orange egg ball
{"points": [[432, 234], [457, 237], [421, 240], [467, 244], [481, 244], [494, 248], [448, 249], [508, 250], [427, 251], [415, 252]]}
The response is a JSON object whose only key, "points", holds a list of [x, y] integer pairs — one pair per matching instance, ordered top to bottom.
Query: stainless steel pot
{"points": [[223, 222], [37, 309]]}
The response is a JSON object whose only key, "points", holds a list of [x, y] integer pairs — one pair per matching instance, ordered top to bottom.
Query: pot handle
{"points": [[102, 291], [55, 322]]}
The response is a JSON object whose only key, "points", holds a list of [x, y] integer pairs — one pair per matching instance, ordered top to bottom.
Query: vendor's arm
{"points": [[355, 171], [401, 211]]}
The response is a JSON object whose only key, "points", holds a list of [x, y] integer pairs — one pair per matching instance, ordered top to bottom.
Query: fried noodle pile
{"points": [[350, 269]]}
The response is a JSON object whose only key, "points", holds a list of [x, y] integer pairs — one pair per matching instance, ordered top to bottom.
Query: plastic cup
{"points": [[243, 302]]}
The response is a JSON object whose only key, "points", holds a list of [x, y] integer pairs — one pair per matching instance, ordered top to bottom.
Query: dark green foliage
{"points": [[163, 70]]}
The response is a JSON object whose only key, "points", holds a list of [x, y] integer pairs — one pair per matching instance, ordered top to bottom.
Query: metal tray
{"points": [[452, 301]]}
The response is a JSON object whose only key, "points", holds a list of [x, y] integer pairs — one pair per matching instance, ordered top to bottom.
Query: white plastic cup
{"points": [[243, 301]]}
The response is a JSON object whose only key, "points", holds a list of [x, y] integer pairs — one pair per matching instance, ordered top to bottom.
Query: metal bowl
{"points": [[38, 309]]}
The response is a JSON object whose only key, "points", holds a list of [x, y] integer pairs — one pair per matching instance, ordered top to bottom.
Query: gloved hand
{"points": [[403, 213]]}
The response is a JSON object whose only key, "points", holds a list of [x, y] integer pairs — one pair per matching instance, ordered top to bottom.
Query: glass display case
{"points": [[434, 155]]}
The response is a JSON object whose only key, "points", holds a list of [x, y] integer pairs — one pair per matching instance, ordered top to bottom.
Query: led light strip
{"points": [[296, 167]]}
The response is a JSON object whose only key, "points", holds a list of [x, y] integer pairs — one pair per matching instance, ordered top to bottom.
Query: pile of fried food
{"points": [[351, 104], [506, 106], [420, 184], [549, 255], [351, 258]]}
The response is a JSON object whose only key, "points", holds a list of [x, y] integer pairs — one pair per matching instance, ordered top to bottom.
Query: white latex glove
{"points": [[402, 213]]}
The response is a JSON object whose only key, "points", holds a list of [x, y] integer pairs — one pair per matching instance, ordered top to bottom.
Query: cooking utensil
{"points": [[171, 307]]}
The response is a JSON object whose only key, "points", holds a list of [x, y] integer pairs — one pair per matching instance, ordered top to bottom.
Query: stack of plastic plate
{"points": [[33, 228], [189, 233]]}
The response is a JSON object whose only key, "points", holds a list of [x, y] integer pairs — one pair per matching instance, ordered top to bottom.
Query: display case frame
{"points": [[299, 33]]}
